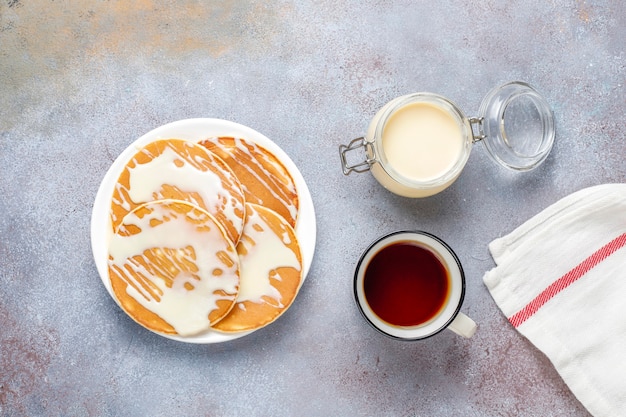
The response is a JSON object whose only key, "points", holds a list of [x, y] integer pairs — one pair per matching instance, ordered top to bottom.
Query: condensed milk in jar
{"points": [[418, 144]]}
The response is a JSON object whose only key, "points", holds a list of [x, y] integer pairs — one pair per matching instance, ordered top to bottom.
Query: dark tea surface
{"points": [[405, 284]]}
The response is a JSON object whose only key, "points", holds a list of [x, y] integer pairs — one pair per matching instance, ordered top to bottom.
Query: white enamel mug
{"points": [[411, 311]]}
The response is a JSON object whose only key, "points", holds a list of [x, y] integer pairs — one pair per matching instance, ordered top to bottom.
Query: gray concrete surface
{"points": [[79, 81]]}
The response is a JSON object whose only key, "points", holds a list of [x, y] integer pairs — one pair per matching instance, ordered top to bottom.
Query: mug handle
{"points": [[463, 326]]}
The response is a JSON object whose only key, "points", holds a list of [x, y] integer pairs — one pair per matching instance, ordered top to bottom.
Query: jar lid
{"points": [[517, 126]]}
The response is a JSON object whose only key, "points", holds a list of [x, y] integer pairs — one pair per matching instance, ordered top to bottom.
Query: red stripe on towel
{"points": [[566, 280]]}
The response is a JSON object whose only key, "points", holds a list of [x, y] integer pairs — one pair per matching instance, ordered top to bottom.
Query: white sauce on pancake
{"points": [[253, 163], [266, 179], [146, 182], [265, 252], [184, 309]]}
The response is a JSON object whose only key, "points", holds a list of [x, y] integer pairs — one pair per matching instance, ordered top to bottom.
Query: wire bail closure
{"points": [[361, 166]]}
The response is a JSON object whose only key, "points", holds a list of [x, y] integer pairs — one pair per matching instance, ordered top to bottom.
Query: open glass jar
{"points": [[418, 144]]}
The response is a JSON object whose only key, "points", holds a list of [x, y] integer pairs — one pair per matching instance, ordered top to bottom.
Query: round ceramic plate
{"points": [[195, 130]]}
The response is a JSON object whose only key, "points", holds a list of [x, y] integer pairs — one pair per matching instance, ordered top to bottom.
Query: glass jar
{"points": [[418, 144]]}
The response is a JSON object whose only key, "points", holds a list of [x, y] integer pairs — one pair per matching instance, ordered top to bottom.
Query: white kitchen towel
{"points": [[560, 279]]}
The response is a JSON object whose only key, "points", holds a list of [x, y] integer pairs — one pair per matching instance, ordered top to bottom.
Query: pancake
{"points": [[180, 170], [264, 178], [172, 268], [271, 271]]}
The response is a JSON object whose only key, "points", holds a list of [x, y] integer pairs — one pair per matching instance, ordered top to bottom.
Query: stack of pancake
{"points": [[203, 237]]}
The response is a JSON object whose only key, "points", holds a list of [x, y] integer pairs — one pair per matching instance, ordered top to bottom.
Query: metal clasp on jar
{"points": [[479, 134], [359, 167]]}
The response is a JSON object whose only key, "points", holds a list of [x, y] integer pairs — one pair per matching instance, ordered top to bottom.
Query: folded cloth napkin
{"points": [[560, 279]]}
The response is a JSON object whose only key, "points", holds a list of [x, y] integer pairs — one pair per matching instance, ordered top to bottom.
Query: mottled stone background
{"points": [[79, 81]]}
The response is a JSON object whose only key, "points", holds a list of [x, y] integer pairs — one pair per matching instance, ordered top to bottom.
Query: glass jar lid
{"points": [[516, 126]]}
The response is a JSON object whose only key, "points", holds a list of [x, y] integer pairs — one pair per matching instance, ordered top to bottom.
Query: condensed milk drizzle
{"points": [[155, 171], [271, 182], [266, 185], [259, 262], [177, 266]]}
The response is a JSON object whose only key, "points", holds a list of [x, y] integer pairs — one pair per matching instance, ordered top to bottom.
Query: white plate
{"points": [[195, 130]]}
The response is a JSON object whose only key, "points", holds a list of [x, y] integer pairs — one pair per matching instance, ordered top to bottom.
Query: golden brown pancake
{"points": [[180, 170], [264, 178], [172, 268], [271, 271]]}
